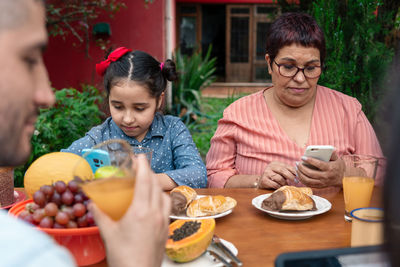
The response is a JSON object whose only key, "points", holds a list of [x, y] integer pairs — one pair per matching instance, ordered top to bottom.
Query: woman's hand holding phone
{"points": [[322, 174]]}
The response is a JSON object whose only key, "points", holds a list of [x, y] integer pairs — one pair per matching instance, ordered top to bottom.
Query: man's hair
{"points": [[12, 13]]}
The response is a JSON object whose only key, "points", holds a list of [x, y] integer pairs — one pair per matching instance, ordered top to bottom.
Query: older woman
{"points": [[262, 137]]}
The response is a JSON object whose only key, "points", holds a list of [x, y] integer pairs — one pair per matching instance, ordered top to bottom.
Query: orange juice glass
{"points": [[358, 182], [112, 188], [112, 195]]}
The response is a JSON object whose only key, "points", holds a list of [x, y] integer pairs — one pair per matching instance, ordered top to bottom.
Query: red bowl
{"points": [[85, 244]]}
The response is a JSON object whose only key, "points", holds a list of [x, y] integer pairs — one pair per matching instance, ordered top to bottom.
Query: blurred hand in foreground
{"points": [[139, 238]]}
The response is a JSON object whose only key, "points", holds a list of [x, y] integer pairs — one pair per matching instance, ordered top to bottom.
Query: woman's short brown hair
{"points": [[295, 28]]}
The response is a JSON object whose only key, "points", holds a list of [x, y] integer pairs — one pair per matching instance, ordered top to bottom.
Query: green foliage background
{"points": [[357, 59], [73, 114]]}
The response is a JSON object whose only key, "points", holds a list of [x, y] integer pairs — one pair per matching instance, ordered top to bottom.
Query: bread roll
{"points": [[306, 190], [181, 197], [290, 198], [210, 205]]}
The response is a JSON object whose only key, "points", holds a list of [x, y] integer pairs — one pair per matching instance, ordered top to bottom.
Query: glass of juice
{"points": [[114, 180], [358, 182], [367, 227]]}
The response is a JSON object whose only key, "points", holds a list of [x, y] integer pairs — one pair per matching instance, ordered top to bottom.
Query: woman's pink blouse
{"points": [[248, 136]]}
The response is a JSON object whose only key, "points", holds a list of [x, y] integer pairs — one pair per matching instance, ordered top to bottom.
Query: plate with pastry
{"points": [[292, 203], [186, 204]]}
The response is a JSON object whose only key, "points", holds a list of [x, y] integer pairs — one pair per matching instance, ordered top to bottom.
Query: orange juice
{"points": [[357, 192], [112, 195]]}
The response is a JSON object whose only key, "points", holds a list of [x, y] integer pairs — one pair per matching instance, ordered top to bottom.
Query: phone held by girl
{"points": [[135, 83]]}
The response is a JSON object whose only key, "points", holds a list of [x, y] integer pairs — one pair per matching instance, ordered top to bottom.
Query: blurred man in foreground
{"points": [[138, 239]]}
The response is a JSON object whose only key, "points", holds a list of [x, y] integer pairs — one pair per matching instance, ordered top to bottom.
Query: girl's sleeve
{"points": [[366, 143], [76, 147], [221, 157], [189, 167]]}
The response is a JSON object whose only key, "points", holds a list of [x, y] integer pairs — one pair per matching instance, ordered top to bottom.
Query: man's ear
{"points": [[268, 59]]}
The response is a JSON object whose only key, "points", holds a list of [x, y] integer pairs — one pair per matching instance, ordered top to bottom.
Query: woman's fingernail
{"points": [[304, 158], [297, 163], [296, 168], [296, 180]]}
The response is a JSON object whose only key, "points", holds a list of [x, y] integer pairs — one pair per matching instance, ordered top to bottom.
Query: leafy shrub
{"points": [[356, 59], [195, 72], [73, 114]]}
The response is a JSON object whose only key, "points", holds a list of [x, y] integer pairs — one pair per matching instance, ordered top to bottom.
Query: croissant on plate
{"points": [[181, 197], [290, 198], [210, 205]]}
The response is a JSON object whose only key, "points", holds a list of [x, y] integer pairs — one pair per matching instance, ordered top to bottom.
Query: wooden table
{"points": [[260, 238]]}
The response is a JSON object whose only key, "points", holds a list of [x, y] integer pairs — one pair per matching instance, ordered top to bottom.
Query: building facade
{"points": [[235, 29]]}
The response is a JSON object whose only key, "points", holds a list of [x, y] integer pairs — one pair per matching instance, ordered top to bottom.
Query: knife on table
{"points": [[217, 242], [219, 257]]}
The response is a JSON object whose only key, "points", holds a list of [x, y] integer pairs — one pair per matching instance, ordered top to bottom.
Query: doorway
{"points": [[247, 29], [213, 33], [237, 34]]}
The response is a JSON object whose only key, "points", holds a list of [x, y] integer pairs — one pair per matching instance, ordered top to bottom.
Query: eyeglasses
{"points": [[289, 71]]}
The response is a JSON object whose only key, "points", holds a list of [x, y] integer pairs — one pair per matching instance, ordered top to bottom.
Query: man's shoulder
{"points": [[10, 224], [37, 247]]}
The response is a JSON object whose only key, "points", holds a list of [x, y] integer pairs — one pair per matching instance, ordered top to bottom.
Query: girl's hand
{"points": [[328, 173], [276, 175], [165, 181]]}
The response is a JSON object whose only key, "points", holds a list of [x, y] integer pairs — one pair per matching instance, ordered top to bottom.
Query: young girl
{"points": [[135, 84]]}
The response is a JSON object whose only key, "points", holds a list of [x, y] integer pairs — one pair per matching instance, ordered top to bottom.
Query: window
{"points": [[188, 28], [262, 30], [187, 36], [239, 39]]}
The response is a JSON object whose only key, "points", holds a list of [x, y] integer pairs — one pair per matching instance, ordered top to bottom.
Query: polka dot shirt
{"points": [[174, 152]]}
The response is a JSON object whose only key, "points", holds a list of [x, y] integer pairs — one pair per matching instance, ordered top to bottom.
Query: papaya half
{"points": [[188, 239]]}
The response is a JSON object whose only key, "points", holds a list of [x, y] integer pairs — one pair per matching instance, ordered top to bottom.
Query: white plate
{"points": [[322, 204], [184, 217], [205, 260]]}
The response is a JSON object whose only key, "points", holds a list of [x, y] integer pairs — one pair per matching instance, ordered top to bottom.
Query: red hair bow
{"points": [[113, 56]]}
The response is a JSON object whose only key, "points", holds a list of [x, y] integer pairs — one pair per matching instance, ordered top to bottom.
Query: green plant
{"points": [[356, 59], [195, 72], [73, 114], [203, 130]]}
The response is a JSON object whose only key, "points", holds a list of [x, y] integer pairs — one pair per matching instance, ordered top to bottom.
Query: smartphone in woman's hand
{"points": [[323, 152]]}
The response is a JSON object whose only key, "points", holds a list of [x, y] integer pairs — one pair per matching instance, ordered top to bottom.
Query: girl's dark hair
{"points": [[295, 28], [142, 68]]}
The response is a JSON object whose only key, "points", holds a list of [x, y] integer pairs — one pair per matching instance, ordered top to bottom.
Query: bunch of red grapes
{"points": [[59, 206]]}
